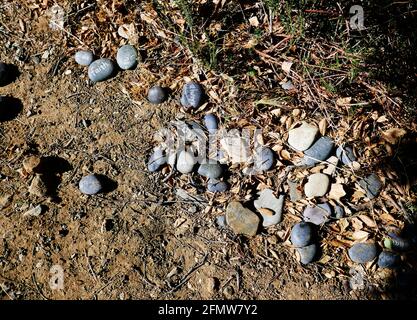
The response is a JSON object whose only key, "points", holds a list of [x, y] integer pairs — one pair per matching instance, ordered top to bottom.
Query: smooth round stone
{"points": [[84, 57], [127, 57], [100, 70], [4, 73], [157, 95], [192, 95], [210, 121], [302, 138], [319, 151], [345, 154], [264, 159], [156, 160], [185, 162], [210, 170], [90, 184], [317, 185], [372, 185], [217, 186], [274, 206], [319, 214], [241, 220], [302, 234], [363, 252], [308, 253], [388, 259]]}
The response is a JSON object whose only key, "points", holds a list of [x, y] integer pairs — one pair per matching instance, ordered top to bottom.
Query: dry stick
{"points": [[37, 287]]}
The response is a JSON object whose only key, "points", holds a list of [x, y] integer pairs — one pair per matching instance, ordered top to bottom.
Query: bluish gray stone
{"points": [[84, 57], [127, 57], [100, 70], [157, 95], [192, 95], [210, 121], [319, 151], [345, 154], [264, 158], [156, 160], [211, 169], [90, 185], [372, 185], [217, 186], [267, 200], [339, 212], [318, 214], [221, 221], [302, 234], [363, 252], [308, 253], [388, 259]]}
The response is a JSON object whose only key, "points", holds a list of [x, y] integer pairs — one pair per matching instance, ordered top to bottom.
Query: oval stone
{"points": [[84, 57], [127, 57], [100, 70], [157, 95], [192, 95], [210, 121], [302, 138], [319, 151], [264, 158], [156, 160], [185, 162], [210, 170], [90, 185], [317, 185], [217, 186], [318, 214], [302, 234], [363, 252], [308, 253], [388, 259]]}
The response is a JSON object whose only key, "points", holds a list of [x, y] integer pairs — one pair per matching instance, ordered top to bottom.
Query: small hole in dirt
{"points": [[108, 224]]}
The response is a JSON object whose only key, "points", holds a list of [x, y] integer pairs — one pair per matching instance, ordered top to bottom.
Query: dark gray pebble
{"points": [[84, 57], [100, 70], [157, 95], [192, 95], [319, 151], [345, 154], [264, 158], [156, 160], [372, 184], [90, 185], [217, 186], [302, 234], [362, 252], [308, 253], [388, 259]]}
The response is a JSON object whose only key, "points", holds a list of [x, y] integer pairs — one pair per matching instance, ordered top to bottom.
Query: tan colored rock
{"points": [[31, 163], [38, 186], [242, 220]]}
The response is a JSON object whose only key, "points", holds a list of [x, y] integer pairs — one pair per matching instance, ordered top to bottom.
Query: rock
{"points": [[84, 57], [127, 57], [100, 70], [4, 73], [287, 85], [157, 95], [192, 95], [210, 121], [302, 138], [319, 151], [345, 154], [264, 159], [156, 160], [185, 162], [31, 163], [210, 169], [90, 184], [317, 185], [372, 185], [217, 186], [38, 187], [295, 193], [5, 200], [267, 200], [34, 212], [339, 212], [317, 215], [241, 220], [221, 221], [302, 234], [398, 243], [363, 252], [308, 253], [388, 259], [228, 292]]}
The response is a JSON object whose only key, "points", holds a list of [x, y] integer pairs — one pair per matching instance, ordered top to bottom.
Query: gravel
{"points": [[302, 138], [319, 151], [264, 159], [185, 162], [212, 170], [317, 185], [241, 220]]}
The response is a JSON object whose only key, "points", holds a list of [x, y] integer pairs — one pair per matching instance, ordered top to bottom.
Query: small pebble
{"points": [[84, 57], [127, 57], [100, 70], [157, 95], [192, 95], [210, 121], [302, 138], [319, 151], [345, 154], [264, 159], [156, 160], [185, 162], [212, 170], [90, 185], [317, 185], [372, 185], [38, 186], [217, 186], [294, 190], [267, 200], [34, 212], [339, 212], [317, 215], [241, 220], [221, 221], [302, 234], [363, 252], [308, 253], [388, 259]]}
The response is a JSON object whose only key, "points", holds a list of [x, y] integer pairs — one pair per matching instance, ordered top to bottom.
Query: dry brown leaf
{"points": [[254, 22], [286, 66], [343, 101], [323, 126], [393, 135], [336, 191], [266, 212], [368, 221], [344, 224], [357, 224], [360, 235]]}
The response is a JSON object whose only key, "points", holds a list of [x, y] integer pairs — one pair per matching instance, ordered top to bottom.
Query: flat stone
{"points": [[84, 57], [127, 57], [100, 70], [157, 95], [192, 95], [210, 121], [302, 138], [319, 151], [345, 154], [263, 159], [156, 160], [185, 162], [211, 169], [90, 184], [317, 185], [372, 185], [217, 186], [38, 187], [267, 200], [317, 215], [241, 220], [302, 234], [363, 252], [308, 253], [388, 259]]}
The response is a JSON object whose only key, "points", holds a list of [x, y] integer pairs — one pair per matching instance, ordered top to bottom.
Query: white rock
{"points": [[302, 138], [185, 162], [317, 185]]}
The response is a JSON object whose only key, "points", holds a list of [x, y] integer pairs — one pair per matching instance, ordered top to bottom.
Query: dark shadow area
{"points": [[8, 74], [9, 108], [108, 184]]}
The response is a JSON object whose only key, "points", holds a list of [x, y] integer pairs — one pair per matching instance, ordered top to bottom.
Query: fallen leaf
{"points": [[254, 22], [286, 66], [343, 101], [323, 126], [393, 135], [336, 191], [266, 212], [368, 221], [360, 235]]}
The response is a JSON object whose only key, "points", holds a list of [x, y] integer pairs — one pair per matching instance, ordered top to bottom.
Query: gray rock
{"points": [[84, 57], [127, 57], [100, 70], [287, 85], [157, 95], [192, 95], [210, 121], [302, 138], [319, 151], [345, 154], [264, 159], [156, 160], [185, 162], [210, 169], [90, 185], [317, 185], [372, 185], [217, 186], [267, 200], [339, 212], [317, 215], [241, 220], [221, 221], [302, 234], [398, 243], [363, 252], [308, 253], [388, 259]]}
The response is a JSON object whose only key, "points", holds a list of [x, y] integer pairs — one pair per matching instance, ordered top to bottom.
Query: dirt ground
{"points": [[139, 240]]}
